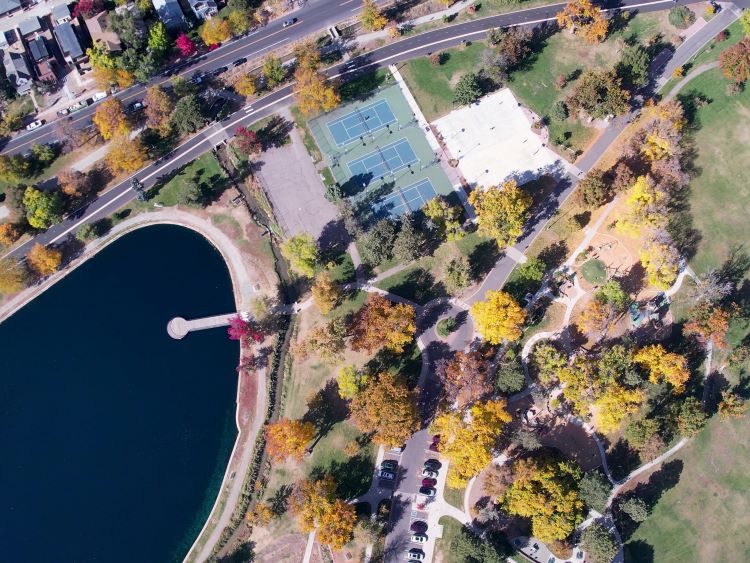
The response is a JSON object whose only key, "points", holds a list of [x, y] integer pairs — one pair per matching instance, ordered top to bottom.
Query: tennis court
{"points": [[363, 121], [384, 160], [404, 200]]}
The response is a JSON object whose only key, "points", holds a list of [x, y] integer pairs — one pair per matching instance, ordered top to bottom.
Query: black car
{"points": [[238, 62], [220, 70], [432, 464], [427, 491]]}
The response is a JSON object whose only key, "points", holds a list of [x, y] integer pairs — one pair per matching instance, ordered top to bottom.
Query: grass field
{"points": [[204, 170]]}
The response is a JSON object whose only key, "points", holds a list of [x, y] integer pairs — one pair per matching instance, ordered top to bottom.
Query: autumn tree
{"points": [[87, 8], [371, 17], [584, 19], [238, 21], [214, 31], [185, 45], [307, 55], [735, 61], [273, 70], [246, 85], [314, 92], [599, 93], [158, 110], [110, 119], [247, 141], [126, 155], [73, 182], [594, 190], [43, 208], [646, 208], [501, 212], [444, 218], [9, 233], [302, 252], [43, 260], [661, 262], [12, 277], [325, 292], [498, 317], [596, 317], [708, 322], [380, 323], [327, 340], [548, 361], [664, 366], [465, 378], [351, 381], [614, 405], [731, 406], [387, 408], [288, 438], [468, 443], [546, 492], [315, 505]]}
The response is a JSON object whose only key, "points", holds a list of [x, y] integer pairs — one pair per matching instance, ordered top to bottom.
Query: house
{"points": [[9, 6], [204, 9], [169, 12], [61, 14], [29, 27], [101, 34], [70, 44], [42, 59], [18, 72]]}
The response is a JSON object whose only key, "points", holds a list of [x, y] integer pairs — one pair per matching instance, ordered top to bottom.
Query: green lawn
{"points": [[307, 138], [204, 170], [594, 271], [451, 529]]}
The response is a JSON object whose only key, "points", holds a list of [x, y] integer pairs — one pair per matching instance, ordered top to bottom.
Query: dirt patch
{"points": [[574, 442], [277, 543]]}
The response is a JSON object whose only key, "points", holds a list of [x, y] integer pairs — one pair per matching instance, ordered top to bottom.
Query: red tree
{"points": [[88, 8], [185, 45], [735, 61], [247, 141], [242, 330]]}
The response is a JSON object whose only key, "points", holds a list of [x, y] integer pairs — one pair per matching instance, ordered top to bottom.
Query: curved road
{"points": [[212, 135]]}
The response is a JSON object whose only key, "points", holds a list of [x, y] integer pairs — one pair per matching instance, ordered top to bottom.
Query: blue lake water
{"points": [[113, 436]]}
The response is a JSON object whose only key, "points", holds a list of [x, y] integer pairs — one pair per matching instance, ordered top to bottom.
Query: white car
{"points": [[100, 96], [35, 125], [419, 538]]}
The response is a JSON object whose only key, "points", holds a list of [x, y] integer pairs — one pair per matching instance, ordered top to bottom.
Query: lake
{"points": [[114, 437]]}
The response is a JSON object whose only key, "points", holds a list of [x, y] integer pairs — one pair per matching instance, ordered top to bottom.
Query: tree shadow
{"points": [[275, 133], [680, 224], [333, 240], [554, 255], [483, 258], [736, 265], [633, 281], [419, 286], [324, 409], [622, 459], [352, 476], [660, 481], [278, 500], [639, 552], [245, 553]]}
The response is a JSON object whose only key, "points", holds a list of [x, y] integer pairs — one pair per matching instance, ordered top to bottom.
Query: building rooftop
{"points": [[9, 5], [60, 12], [169, 12], [29, 26], [100, 33], [68, 40], [38, 49], [17, 70]]}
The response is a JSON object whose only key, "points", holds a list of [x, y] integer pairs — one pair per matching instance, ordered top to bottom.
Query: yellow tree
{"points": [[372, 19], [584, 19], [238, 22], [215, 31], [307, 55], [246, 85], [314, 92], [158, 110], [110, 119], [126, 155], [646, 208], [501, 212], [445, 217], [9, 233], [302, 253], [43, 260], [661, 262], [12, 276], [325, 292], [498, 317], [596, 317], [380, 323], [664, 366], [579, 384], [615, 403], [731, 406], [388, 408], [288, 438], [468, 441], [316, 507]]}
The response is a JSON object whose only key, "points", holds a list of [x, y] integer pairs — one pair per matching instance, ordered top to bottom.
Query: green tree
{"points": [[681, 17], [159, 41], [633, 65], [273, 71], [467, 90], [599, 93], [187, 116], [13, 168], [191, 195], [43, 208], [409, 241], [377, 243], [302, 253], [457, 275], [611, 292], [548, 361], [616, 365], [510, 378], [691, 418], [594, 490], [635, 508], [598, 544], [468, 547]]}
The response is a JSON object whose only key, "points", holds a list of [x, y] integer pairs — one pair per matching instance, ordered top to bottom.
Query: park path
{"points": [[688, 77]]}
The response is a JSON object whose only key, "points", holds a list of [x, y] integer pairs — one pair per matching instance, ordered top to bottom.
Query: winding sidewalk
{"points": [[688, 77]]}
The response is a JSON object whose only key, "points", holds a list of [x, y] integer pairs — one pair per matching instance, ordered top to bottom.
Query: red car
{"points": [[427, 482]]}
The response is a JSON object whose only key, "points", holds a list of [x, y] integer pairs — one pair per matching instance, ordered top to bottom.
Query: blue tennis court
{"points": [[362, 121], [384, 160], [410, 198]]}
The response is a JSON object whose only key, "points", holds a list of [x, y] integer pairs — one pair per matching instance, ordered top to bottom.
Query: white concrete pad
{"points": [[493, 142]]}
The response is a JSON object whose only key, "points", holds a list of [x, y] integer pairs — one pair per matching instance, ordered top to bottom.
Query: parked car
{"points": [[289, 22], [240, 61], [218, 71], [197, 78], [100, 96], [136, 106], [63, 112], [35, 125], [389, 464], [432, 464], [429, 473], [387, 475], [428, 482], [427, 491], [418, 526], [419, 538], [414, 554]]}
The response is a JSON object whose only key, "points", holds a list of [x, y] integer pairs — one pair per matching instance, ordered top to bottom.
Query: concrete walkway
{"points": [[688, 77]]}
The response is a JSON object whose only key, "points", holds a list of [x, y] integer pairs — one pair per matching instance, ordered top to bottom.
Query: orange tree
{"points": [[584, 19], [215, 31], [159, 106], [110, 119], [125, 155], [43, 260], [12, 276], [325, 292], [498, 317], [380, 323], [465, 377], [387, 408], [288, 438], [316, 507]]}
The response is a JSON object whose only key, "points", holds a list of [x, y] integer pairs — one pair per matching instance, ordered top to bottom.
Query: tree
{"points": [[87, 8], [681, 17], [372, 19], [584, 19], [745, 21], [238, 22], [214, 31], [159, 41], [185, 45], [307, 55], [735, 61], [633, 65], [273, 70], [246, 85], [467, 90], [314, 92], [599, 93], [158, 110], [188, 115], [110, 119], [247, 141], [126, 155], [41, 156], [13, 168], [73, 183], [593, 190], [43, 208], [646, 208], [501, 212], [445, 218], [9, 233], [409, 241], [376, 245], [302, 253], [43, 260], [661, 262], [457, 275], [12, 276], [711, 287], [325, 292], [611, 292], [499, 317], [596, 317], [380, 323], [708, 323], [242, 330], [327, 341], [548, 361], [616, 365], [664, 366], [465, 378], [510, 378], [351, 381], [731, 406], [387, 408], [691, 417], [639, 432], [288, 438], [527, 440], [468, 444], [497, 479], [594, 490], [546, 491], [316, 507], [635, 508], [598, 544]]}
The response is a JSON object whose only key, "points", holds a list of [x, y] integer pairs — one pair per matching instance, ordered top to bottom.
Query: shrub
{"points": [[681, 17], [723, 35], [678, 72], [561, 81], [734, 89], [559, 111], [446, 326]]}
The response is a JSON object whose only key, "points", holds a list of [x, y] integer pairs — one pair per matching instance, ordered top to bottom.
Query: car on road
{"points": [[289, 22], [240, 61], [218, 71], [197, 78], [99, 96], [136, 106], [35, 125], [389, 464], [432, 464], [429, 473], [387, 475], [428, 482], [427, 491], [418, 526], [419, 538], [414, 554]]}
